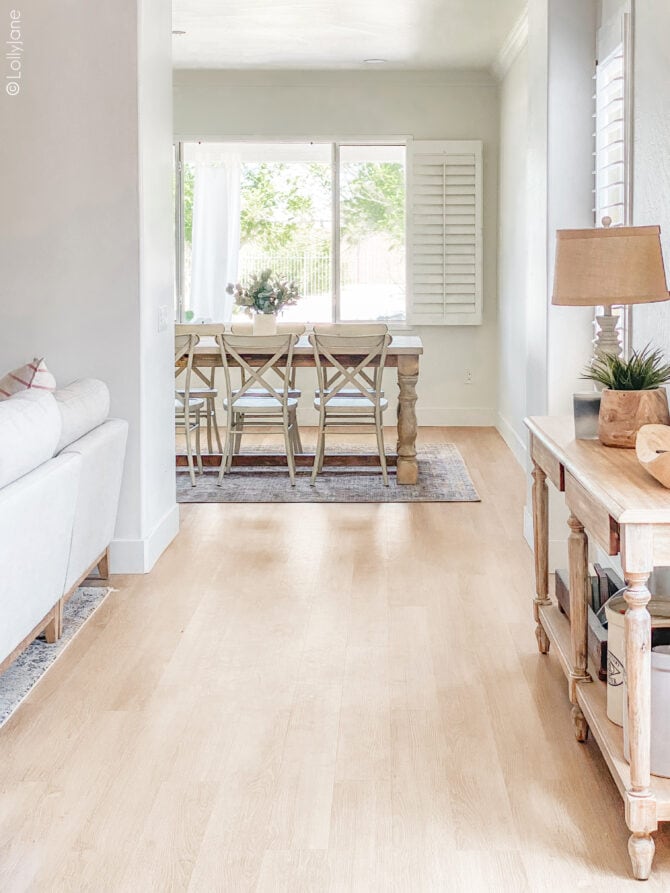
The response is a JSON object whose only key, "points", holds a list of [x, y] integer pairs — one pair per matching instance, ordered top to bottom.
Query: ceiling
{"points": [[341, 34]]}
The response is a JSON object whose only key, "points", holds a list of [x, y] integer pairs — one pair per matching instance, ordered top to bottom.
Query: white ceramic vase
{"points": [[265, 324]]}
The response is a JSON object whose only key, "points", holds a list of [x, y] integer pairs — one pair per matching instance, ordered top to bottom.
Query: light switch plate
{"points": [[163, 318]]}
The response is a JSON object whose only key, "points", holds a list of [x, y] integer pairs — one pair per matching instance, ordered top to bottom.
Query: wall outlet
{"points": [[163, 318], [468, 379]]}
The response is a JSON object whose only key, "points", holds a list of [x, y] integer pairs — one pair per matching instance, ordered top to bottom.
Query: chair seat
{"points": [[348, 392], [201, 393], [293, 393], [193, 403], [260, 405], [350, 405]]}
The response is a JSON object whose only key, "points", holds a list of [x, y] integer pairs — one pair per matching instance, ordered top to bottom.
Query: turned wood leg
{"points": [[408, 375], [541, 552], [578, 557], [103, 566], [637, 639], [641, 814], [641, 849]]}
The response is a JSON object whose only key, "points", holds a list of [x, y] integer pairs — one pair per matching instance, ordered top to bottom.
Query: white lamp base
{"points": [[607, 339]]}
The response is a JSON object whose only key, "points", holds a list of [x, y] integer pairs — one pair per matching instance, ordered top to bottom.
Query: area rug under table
{"points": [[443, 477], [32, 664]]}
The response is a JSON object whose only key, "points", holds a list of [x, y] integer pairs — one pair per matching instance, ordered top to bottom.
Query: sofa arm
{"points": [[102, 453]]}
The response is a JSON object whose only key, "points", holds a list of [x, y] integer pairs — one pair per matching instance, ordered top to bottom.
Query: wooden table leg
{"points": [[408, 375], [540, 552], [578, 557], [637, 560]]}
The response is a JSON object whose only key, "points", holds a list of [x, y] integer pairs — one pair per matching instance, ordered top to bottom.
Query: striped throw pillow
{"points": [[32, 375]]}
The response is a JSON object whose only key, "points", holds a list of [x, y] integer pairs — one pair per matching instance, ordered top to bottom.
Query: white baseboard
{"points": [[456, 416], [516, 443], [558, 549], [139, 556]]}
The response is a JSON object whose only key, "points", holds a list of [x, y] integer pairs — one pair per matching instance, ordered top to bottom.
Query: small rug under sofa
{"points": [[29, 667]]}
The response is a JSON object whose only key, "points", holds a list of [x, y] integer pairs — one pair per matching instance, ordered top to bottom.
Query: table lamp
{"points": [[608, 266]]}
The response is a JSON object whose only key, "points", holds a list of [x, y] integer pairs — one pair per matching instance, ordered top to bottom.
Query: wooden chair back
{"points": [[283, 328], [350, 328], [201, 330], [184, 346], [274, 353], [350, 360]]}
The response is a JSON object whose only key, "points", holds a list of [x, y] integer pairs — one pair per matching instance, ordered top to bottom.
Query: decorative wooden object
{"points": [[623, 413], [653, 451], [611, 497]]}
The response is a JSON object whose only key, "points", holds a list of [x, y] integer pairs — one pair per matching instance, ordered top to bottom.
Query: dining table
{"points": [[403, 354]]}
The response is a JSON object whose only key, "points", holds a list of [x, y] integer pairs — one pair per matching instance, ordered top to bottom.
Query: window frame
{"points": [[336, 144]]}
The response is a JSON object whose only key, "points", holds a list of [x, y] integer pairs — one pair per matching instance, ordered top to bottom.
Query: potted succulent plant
{"points": [[263, 298], [633, 394]]}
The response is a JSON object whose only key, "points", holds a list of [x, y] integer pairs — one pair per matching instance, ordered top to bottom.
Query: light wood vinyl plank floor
{"points": [[317, 698]]}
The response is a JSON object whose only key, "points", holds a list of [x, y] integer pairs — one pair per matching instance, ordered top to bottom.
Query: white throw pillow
{"points": [[32, 375]]}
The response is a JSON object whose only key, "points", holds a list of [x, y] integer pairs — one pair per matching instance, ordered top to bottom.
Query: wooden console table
{"points": [[628, 513]]}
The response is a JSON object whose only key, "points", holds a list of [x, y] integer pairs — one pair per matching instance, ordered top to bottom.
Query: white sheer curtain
{"points": [[216, 234]]}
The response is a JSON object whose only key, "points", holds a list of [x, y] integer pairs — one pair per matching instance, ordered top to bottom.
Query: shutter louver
{"points": [[445, 269]]}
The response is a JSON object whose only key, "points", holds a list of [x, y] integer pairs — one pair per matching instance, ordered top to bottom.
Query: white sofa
{"points": [[61, 462]]}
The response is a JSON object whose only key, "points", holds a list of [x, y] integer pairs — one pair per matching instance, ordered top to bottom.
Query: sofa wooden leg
{"points": [[103, 566], [54, 628]]}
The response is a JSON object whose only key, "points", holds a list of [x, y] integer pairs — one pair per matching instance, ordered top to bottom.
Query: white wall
{"points": [[424, 105], [546, 154], [651, 175], [85, 240], [512, 255]]}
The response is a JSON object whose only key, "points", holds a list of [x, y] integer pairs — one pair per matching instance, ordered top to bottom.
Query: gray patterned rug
{"points": [[443, 477], [32, 664]]}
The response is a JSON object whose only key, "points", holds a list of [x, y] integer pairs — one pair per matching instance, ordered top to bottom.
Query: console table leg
{"points": [[541, 552], [578, 557], [638, 559], [637, 636], [641, 849]]}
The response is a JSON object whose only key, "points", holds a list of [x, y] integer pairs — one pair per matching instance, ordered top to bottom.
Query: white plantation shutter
{"points": [[610, 139], [445, 232]]}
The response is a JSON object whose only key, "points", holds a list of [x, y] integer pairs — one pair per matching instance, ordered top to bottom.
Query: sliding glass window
{"points": [[329, 216]]}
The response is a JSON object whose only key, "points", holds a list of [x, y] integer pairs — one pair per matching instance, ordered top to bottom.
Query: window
{"points": [[612, 139], [330, 216]]}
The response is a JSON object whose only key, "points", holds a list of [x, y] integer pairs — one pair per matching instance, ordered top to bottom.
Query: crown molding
{"points": [[514, 43]]}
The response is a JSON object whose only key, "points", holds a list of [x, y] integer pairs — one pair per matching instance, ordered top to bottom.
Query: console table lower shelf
{"points": [[592, 698]]}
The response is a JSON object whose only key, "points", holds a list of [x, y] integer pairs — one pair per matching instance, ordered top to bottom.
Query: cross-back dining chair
{"points": [[283, 328], [345, 328], [260, 358], [350, 363], [205, 389], [188, 409]]}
